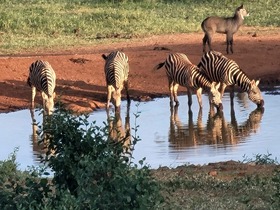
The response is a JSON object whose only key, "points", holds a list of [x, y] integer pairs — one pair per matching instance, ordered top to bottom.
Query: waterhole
{"points": [[170, 136]]}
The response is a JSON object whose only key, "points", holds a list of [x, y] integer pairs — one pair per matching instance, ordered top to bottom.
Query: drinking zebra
{"points": [[219, 68], [180, 71], [116, 73], [42, 78]]}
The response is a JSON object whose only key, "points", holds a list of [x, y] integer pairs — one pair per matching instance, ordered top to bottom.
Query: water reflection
{"points": [[217, 131], [119, 132], [231, 132], [184, 135], [39, 136], [167, 137]]}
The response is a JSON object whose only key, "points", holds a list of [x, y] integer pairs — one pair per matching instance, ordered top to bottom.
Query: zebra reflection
{"points": [[217, 131], [119, 132], [231, 132], [182, 135], [40, 141]]}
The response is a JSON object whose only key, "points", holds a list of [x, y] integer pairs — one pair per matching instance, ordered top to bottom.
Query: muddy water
{"points": [[171, 136]]}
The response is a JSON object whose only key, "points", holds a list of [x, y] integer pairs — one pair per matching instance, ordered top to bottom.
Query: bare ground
{"points": [[80, 76]]}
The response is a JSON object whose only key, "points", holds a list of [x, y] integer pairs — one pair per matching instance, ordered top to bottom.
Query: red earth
{"points": [[80, 71]]}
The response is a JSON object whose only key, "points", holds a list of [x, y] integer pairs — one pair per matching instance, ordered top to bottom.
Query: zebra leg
{"points": [[170, 84], [126, 86], [223, 87], [175, 88], [33, 94], [231, 94], [109, 95], [198, 95], [45, 98], [189, 98], [117, 99]]}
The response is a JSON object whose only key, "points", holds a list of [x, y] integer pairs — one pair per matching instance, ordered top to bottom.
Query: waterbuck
{"points": [[224, 25]]}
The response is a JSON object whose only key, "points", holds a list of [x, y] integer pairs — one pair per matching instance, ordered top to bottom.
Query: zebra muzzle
{"points": [[260, 104], [220, 107]]}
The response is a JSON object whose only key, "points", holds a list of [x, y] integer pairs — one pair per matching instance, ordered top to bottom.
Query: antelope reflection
{"points": [[216, 131], [118, 132]]}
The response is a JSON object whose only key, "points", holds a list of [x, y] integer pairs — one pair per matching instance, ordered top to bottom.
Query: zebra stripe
{"points": [[219, 68], [180, 71], [116, 73], [43, 79]]}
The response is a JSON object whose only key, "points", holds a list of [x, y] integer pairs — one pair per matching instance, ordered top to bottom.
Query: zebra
{"points": [[219, 68], [180, 71], [116, 72], [43, 79]]}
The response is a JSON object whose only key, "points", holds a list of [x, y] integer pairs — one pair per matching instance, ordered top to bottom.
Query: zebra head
{"points": [[254, 93], [215, 96], [48, 103]]}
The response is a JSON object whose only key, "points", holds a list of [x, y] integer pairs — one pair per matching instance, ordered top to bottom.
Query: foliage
{"points": [[78, 23], [261, 159], [93, 169], [89, 172], [21, 190], [207, 192]]}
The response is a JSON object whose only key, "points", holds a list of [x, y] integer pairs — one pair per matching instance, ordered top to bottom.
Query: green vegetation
{"points": [[36, 24], [92, 172], [202, 191]]}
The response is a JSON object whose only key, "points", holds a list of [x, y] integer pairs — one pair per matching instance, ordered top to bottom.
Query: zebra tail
{"points": [[104, 56], [158, 66], [28, 82]]}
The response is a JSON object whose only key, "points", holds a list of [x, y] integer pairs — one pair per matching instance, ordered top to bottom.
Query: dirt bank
{"points": [[80, 76]]}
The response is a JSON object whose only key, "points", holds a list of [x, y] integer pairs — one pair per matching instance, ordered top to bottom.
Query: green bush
{"points": [[94, 170], [89, 171]]}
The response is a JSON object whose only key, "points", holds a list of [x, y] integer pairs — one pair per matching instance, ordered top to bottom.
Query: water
{"points": [[171, 137]]}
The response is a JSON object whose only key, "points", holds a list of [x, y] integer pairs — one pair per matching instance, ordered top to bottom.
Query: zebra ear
{"points": [[104, 56], [255, 83], [215, 85], [218, 85]]}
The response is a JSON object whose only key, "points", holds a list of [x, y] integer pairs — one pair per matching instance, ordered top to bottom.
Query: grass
{"points": [[38, 24], [234, 185]]}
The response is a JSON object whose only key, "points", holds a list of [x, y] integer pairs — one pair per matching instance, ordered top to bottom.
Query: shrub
{"points": [[93, 169], [89, 171]]}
